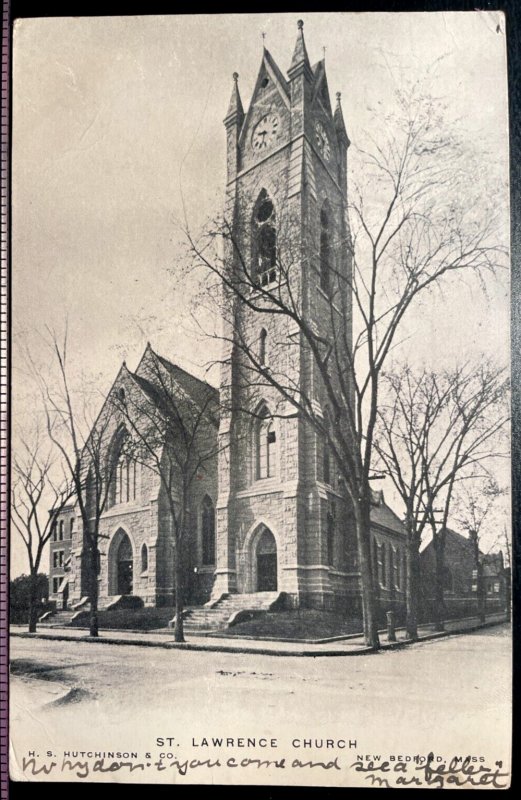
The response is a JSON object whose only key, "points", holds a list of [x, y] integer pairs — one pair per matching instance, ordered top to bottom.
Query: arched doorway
{"points": [[266, 554], [121, 564], [125, 566]]}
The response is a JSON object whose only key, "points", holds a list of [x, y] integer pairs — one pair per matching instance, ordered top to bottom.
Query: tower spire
{"points": [[300, 54], [235, 109], [338, 118]]}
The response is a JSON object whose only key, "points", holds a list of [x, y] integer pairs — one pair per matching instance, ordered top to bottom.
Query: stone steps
{"points": [[217, 617], [60, 618]]}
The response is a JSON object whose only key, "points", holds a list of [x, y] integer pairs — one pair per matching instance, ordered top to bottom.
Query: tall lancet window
{"points": [[264, 241], [325, 250], [262, 346], [265, 445], [326, 453], [124, 476], [208, 531]]}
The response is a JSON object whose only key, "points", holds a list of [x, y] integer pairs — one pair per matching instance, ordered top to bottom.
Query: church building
{"points": [[269, 516]]}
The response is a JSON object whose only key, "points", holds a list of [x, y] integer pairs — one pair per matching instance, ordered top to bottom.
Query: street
{"points": [[451, 697]]}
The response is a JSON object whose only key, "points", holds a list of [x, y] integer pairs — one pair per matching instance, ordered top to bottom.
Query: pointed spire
{"points": [[300, 54], [235, 109], [339, 121]]}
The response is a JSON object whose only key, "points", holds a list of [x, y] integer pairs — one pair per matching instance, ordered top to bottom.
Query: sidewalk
{"points": [[351, 646]]}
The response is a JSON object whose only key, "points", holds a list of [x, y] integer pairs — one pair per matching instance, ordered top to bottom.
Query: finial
{"points": [[300, 24], [263, 34], [324, 52], [235, 76], [338, 96]]}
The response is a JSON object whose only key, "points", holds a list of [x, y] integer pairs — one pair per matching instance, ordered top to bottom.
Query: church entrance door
{"points": [[267, 562], [125, 566]]}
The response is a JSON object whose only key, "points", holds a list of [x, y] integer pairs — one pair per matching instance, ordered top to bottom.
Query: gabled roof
{"points": [[268, 67], [281, 80], [321, 88], [186, 379], [181, 385], [383, 515], [451, 535]]}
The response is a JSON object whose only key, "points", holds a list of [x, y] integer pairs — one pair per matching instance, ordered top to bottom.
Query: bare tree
{"points": [[411, 223], [172, 420], [436, 430], [82, 441], [36, 501], [473, 503]]}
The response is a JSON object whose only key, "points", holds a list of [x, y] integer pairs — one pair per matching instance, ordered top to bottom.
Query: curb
{"points": [[245, 638], [193, 646], [360, 651]]}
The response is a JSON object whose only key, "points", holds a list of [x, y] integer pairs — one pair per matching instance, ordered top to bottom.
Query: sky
{"points": [[118, 142]]}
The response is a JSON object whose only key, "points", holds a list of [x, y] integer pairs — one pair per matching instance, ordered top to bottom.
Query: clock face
{"points": [[265, 133], [322, 140]]}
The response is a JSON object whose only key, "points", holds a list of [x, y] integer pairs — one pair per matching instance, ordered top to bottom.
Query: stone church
{"points": [[269, 518]]}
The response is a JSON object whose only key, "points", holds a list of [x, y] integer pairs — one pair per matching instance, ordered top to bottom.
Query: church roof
{"points": [[278, 72], [186, 379], [186, 387], [383, 515]]}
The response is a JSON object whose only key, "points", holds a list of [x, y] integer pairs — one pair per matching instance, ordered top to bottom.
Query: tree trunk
{"points": [[363, 530], [94, 568], [507, 585], [480, 587], [412, 590], [481, 593], [439, 601], [33, 603], [179, 604]]}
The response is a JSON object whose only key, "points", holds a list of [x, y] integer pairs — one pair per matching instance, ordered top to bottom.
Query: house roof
{"points": [[457, 538], [493, 565]]}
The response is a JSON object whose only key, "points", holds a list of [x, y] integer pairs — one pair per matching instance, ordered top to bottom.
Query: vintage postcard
{"points": [[260, 525]]}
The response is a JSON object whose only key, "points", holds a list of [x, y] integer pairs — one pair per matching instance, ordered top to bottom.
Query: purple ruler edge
{"points": [[4, 398]]}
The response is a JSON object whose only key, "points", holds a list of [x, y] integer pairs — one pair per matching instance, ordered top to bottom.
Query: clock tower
{"points": [[282, 522]]}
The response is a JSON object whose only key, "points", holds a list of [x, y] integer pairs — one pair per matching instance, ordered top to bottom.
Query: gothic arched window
{"points": [[264, 241], [325, 250], [262, 346], [265, 444], [326, 456], [124, 475], [331, 524], [208, 531], [144, 558], [376, 563], [381, 567]]}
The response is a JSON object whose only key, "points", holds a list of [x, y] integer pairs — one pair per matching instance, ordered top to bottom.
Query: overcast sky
{"points": [[117, 133]]}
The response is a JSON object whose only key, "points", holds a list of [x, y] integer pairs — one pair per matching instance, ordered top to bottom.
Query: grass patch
{"points": [[143, 619], [297, 624]]}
